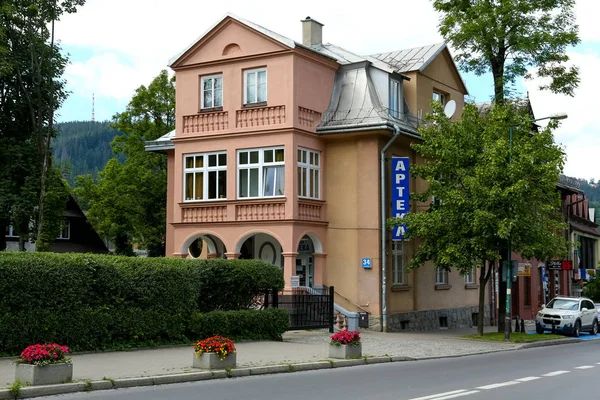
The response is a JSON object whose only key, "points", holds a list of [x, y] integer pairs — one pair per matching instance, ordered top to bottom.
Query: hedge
{"points": [[91, 302], [267, 324]]}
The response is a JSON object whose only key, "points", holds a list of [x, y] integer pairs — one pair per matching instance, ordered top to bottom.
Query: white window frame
{"points": [[255, 71], [202, 79], [395, 94], [441, 97], [260, 165], [205, 169], [306, 169], [68, 228], [11, 232], [398, 267], [441, 273], [471, 276]]}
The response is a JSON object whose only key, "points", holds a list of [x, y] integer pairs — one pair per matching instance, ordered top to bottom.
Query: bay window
{"points": [[309, 167], [261, 173], [205, 176]]}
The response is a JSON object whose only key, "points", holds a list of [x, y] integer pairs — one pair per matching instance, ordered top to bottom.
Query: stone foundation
{"points": [[431, 319]]}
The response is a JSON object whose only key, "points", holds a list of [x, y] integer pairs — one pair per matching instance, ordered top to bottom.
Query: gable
{"points": [[228, 39], [443, 69]]}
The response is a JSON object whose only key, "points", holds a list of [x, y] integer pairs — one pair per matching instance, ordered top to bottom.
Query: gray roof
{"points": [[344, 56], [415, 59], [355, 104], [162, 143]]}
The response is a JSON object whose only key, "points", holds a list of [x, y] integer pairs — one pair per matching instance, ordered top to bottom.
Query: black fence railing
{"points": [[309, 308]]}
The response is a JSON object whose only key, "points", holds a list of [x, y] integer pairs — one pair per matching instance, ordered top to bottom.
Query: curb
{"points": [[93, 386]]}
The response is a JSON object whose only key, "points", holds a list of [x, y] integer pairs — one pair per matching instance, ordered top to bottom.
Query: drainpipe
{"points": [[383, 232]]}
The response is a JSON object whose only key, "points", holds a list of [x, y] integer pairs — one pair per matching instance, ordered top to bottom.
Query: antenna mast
{"points": [[93, 115]]}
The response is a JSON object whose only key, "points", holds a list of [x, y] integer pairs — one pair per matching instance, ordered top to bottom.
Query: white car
{"points": [[569, 315]]}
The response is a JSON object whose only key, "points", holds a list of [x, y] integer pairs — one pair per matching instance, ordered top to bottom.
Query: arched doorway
{"points": [[204, 246], [261, 246], [305, 262]]}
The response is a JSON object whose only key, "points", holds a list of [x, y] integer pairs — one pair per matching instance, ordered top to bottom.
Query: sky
{"points": [[115, 46]]}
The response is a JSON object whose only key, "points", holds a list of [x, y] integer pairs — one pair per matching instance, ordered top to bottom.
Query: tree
{"points": [[507, 37], [31, 88], [480, 198], [128, 200]]}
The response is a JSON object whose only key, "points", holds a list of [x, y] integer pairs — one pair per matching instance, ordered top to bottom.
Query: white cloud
{"points": [[578, 133]]}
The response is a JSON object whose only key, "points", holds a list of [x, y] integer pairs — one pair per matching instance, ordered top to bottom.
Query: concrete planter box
{"points": [[345, 351], [212, 361], [46, 375]]}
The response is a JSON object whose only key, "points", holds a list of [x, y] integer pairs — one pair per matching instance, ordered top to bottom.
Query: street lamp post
{"points": [[507, 318]]}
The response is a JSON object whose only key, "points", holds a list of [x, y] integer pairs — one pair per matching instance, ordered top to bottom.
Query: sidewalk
{"points": [[296, 347]]}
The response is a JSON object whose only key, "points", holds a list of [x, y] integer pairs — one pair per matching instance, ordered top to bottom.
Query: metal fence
{"points": [[309, 308]]}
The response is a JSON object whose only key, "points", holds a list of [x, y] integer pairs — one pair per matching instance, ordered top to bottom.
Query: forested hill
{"points": [[83, 146]]}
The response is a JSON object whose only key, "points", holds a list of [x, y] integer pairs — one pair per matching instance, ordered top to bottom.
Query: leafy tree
{"points": [[507, 37], [31, 88], [480, 198], [128, 200]]}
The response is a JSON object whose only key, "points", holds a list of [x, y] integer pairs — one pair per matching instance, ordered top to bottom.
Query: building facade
{"points": [[277, 155]]}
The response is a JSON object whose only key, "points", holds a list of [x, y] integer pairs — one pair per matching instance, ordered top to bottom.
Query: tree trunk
{"points": [[3, 226], [484, 277], [501, 302]]}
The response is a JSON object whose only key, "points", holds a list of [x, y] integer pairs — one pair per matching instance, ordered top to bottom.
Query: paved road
{"points": [[555, 372]]}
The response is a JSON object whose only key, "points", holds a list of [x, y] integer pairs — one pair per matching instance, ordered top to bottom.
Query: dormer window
{"points": [[212, 91], [395, 99]]}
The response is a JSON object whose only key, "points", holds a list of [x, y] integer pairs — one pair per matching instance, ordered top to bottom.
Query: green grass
{"points": [[514, 337]]}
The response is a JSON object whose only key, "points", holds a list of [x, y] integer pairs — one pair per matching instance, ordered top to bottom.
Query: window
{"points": [[255, 86], [212, 91], [437, 96], [395, 99], [261, 173], [309, 174], [205, 176], [10, 232], [65, 233], [398, 263], [441, 276], [470, 276]]}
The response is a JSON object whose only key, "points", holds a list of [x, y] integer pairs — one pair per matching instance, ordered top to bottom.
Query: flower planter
{"points": [[345, 351], [212, 361], [46, 375]]}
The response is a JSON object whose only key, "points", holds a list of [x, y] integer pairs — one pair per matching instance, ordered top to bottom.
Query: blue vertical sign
{"points": [[400, 193]]}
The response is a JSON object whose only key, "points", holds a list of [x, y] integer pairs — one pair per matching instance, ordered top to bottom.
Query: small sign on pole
{"points": [[366, 263], [294, 281]]}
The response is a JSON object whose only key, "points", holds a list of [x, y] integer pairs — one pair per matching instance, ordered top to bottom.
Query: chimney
{"points": [[312, 32]]}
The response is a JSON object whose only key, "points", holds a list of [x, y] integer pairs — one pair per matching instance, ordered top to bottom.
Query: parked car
{"points": [[569, 315]]}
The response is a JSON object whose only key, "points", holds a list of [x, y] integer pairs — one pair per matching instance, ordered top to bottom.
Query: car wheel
{"points": [[577, 330], [594, 330], [539, 331]]}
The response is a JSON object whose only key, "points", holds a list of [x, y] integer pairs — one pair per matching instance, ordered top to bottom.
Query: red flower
{"points": [[351, 338], [216, 344], [44, 354]]}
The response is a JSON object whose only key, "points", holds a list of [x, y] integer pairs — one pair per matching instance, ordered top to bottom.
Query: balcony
{"points": [[260, 116], [308, 118], [206, 122], [263, 210], [310, 210], [198, 213]]}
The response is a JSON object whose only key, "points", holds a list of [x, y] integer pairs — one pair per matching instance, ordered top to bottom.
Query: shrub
{"points": [[96, 301], [267, 324]]}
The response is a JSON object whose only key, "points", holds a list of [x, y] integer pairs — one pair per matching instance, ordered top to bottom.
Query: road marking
{"points": [[585, 367], [556, 373], [528, 379], [497, 385], [447, 395], [437, 396], [453, 396]]}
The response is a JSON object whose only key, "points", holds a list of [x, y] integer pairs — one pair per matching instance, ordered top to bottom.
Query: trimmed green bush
{"points": [[92, 302], [267, 324]]}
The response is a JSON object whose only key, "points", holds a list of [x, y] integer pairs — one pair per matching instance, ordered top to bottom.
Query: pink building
{"points": [[277, 155]]}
